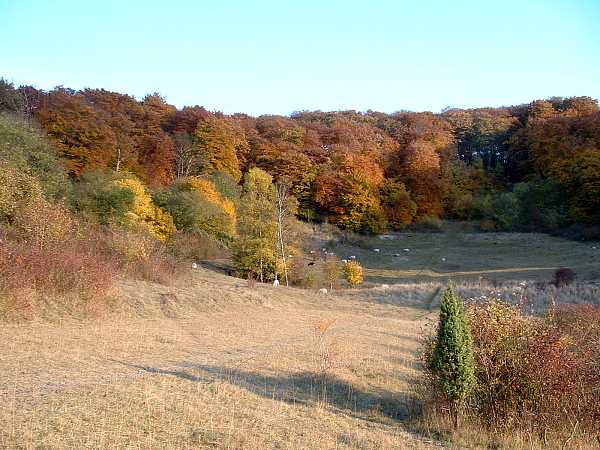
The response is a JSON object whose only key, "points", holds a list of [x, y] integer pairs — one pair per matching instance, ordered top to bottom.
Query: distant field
{"points": [[469, 256]]}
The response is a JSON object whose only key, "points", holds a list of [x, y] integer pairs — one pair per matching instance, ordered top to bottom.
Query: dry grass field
{"points": [[211, 362]]}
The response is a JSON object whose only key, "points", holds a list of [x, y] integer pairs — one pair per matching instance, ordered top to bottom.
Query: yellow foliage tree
{"points": [[216, 140], [16, 188], [208, 191], [145, 214], [353, 272]]}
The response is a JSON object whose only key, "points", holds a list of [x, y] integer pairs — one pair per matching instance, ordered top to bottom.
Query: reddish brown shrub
{"points": [[487, 225], [197, 247], [49, 253], [141, 256], [75, 266], [563, 277], [536, 373]]}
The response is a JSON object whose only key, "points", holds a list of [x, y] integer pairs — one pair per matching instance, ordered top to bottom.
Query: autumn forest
{"points": [[534, 166]]}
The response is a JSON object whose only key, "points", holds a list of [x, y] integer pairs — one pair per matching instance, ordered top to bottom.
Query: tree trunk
{"points": [[118, 159], [281, 214], [283, 256], [456, 414]]}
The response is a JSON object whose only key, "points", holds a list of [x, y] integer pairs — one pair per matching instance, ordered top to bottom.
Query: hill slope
{"points": [[213, 363]]}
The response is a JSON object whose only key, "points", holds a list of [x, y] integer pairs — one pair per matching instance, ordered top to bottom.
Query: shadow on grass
{"points": [[420, 298], [168, 372], [305, 388]]}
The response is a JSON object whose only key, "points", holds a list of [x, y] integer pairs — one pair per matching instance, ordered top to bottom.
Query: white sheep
{"points": [[406, 249], [376, 250], [353, 257], [345, 261], [194, 265], [323, 291]]}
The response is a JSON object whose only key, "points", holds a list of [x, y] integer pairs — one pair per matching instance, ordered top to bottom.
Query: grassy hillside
{"points": [[212, 362]]}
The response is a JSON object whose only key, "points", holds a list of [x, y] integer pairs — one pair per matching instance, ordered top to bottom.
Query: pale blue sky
{"points": [[276, 57]]}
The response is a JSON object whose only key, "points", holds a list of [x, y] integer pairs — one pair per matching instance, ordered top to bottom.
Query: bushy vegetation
{"points": [[23, 148], [197, 207], [60, 240], [353, 273], [563, 277], [532, 374]]}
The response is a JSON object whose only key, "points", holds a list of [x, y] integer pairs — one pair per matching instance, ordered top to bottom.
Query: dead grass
{"points": [[212, 362], [216, 365], [472, 436]]}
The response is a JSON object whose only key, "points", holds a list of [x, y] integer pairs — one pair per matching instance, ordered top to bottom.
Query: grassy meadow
{"points": [[466, 255], [212, 361]]}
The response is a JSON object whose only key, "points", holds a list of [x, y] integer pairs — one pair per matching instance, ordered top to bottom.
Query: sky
{"points": [[276, 57]]}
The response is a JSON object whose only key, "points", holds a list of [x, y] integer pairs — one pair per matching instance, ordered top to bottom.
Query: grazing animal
{"points": [[406, 249], [376, 250], [396, 254], [353, 257], [345, 261], [194, 265], [323, 291]]}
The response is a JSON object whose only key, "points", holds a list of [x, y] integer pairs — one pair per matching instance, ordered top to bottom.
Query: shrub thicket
{"points": [[23, 148], [16, 188], [120, 199], [197, 207], [563, 277], [537, 375]]}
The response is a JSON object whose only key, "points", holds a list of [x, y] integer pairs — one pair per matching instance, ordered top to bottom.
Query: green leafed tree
{"points": [[10, 99], [255, 250], [452, 362]]}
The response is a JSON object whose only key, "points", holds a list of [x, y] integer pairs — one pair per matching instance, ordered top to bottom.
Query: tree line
{"points": [[532, 167]]}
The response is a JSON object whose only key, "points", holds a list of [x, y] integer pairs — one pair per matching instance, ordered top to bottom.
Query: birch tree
{"points": [[286, 208], [255, 250]]}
